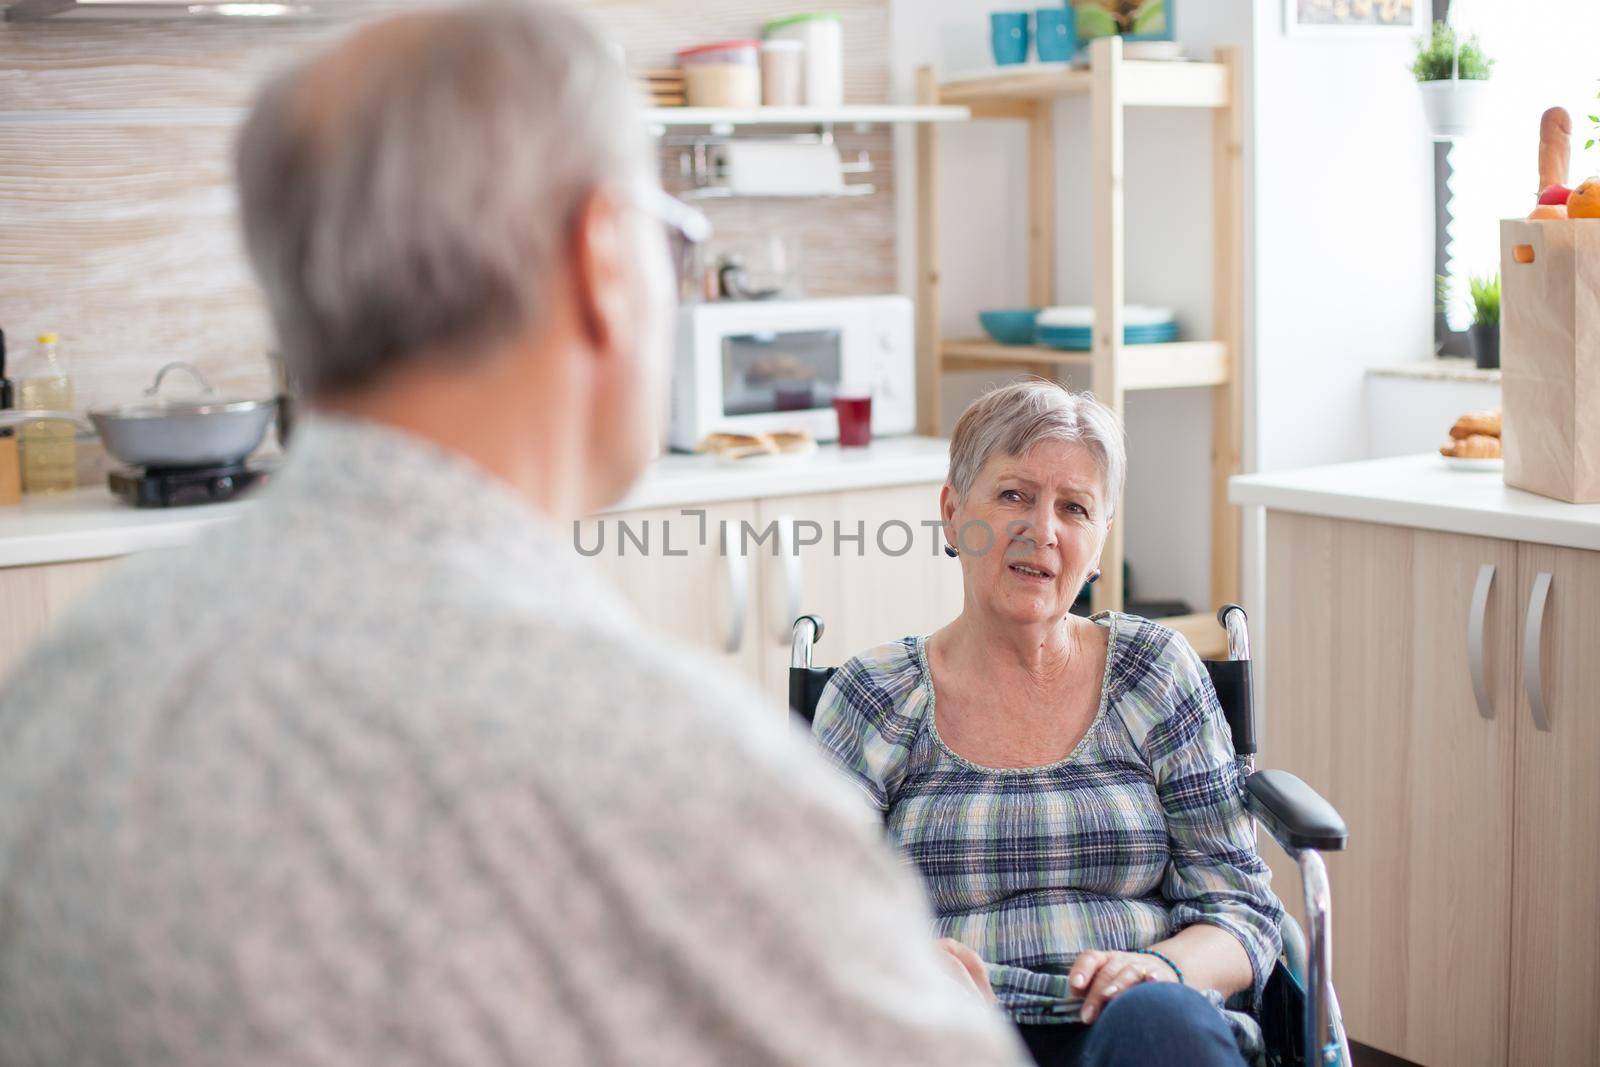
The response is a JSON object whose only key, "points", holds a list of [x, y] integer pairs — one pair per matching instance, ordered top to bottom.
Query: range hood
{"points": [[84, 10]]}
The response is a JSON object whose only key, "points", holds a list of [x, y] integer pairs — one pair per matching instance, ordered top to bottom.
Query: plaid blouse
{"points": [[1139, 832]]}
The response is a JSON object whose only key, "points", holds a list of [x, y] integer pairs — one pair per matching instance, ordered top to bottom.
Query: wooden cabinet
{"points": [[784, 556], [671, 565], [886, 577], [33, 598], [735, 599], [1465, 910], [1555, 927]]}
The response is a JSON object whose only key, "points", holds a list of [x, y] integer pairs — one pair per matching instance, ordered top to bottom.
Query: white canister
{"points": [[823, 36], [783, 72]]}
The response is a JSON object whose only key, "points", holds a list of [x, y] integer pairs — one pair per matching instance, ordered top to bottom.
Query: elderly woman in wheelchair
{"points": [[1067, 786]]}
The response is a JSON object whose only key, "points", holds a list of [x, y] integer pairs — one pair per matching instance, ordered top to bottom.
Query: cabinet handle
{"points": [[793, 578], [738, 593], [1475, 620], [1532, 667]]}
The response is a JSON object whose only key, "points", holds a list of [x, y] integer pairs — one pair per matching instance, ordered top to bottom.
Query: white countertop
{"points": [[685, 479], [1421, 491], [92, 524]]}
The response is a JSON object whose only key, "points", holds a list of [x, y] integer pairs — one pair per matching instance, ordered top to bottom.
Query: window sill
{"points": [[1445, 369]]}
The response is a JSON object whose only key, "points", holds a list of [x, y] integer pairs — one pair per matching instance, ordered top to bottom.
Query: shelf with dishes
{"points": [[1139, 82], [843, 115], [1151, 355], [1161, 365]]}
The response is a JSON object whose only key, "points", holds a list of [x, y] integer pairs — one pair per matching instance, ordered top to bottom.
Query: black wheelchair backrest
{"points": [[805, 689]]}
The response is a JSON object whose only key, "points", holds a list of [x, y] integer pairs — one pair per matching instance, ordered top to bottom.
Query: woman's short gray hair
{"points": [[417, 199], [1010, 420]]}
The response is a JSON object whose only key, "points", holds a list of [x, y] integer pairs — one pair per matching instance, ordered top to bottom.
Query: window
{"points": [[1545, 56]]}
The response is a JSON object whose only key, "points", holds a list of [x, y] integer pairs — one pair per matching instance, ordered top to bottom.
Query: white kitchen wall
{"points": [[1344, 240], [1343, 250], [983, 258], [1409, 415]]}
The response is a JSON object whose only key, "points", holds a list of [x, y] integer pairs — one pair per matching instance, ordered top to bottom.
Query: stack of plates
{"points": [[1073, 327]]}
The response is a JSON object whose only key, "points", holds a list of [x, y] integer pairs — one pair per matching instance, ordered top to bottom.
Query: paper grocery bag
{"points": [[1550, 357]]}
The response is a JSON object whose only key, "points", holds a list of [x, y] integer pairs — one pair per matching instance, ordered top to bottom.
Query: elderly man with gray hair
{"points": [[374, 774]]}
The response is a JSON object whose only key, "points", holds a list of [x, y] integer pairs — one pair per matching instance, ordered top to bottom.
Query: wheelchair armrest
{"points": [[1294, 813]]}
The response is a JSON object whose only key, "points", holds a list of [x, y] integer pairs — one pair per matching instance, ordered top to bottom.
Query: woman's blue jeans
{"points": [[1151, 1024]]}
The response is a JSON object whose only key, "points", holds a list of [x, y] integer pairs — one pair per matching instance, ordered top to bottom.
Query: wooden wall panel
{"points": [[59, 66], [116, 207], [123, 240], [847, 247]]}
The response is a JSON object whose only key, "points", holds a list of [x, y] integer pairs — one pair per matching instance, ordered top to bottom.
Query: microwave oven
{"points": [[760, 366]]}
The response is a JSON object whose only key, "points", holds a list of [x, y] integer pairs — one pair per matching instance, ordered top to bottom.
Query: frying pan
{"points": [[206, 431]]}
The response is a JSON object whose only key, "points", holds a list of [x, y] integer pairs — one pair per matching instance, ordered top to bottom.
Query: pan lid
{"points": [[156, 406]]}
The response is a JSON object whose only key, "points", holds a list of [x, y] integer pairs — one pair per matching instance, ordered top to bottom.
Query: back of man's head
{"points": [[407, 194]]}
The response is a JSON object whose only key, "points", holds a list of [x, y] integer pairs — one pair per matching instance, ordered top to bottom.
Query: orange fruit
{"points": [[1584, 203], [1549, 211]]}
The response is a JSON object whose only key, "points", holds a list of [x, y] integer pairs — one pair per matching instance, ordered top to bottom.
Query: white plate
{"points": [[1081, 318], [775, 459], [1460, 464]]}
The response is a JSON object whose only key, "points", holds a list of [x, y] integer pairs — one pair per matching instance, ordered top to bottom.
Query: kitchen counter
{"points": [[684, 479], [1420, 491], [91, 524]]}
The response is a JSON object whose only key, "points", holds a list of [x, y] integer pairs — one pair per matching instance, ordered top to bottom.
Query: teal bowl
{"points": [[1010, 327]]}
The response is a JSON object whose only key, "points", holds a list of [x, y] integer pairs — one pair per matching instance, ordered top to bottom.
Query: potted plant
{"points": [[1453, 74], [1484, 333]]}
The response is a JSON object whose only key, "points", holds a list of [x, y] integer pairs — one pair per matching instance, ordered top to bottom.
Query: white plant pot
{"points": [[1453, 107]]}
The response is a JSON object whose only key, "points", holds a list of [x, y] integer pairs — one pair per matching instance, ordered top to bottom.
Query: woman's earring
{"points": [[950, 550], [1095, 577]]}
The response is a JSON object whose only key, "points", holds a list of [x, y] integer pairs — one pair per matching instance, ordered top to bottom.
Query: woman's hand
{"points": [[966, 967], [1099, 976]]}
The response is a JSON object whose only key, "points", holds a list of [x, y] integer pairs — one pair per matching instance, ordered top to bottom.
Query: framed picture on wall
{"points": [[1340, 18], [1133, 20]]}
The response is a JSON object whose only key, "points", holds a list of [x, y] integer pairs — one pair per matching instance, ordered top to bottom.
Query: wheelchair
{"points": [[1300, 1017]]}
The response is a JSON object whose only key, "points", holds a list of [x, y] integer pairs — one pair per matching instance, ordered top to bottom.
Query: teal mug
{"points": [[1055, 34], [1008, 35]]}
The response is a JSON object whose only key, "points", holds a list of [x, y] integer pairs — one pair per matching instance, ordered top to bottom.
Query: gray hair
{"points": [[411, 191], [1010, 420]]}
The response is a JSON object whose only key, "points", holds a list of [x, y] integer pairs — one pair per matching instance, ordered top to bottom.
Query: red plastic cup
{"points": [[855, 419]]}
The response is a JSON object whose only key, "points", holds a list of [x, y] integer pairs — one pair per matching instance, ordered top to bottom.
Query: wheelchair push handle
{"points": [[1232, 619], [806, 633], [805, 681]]}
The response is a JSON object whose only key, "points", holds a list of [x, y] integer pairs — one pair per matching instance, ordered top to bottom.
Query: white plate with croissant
{"points": [[1474, 443], [776, 449]]}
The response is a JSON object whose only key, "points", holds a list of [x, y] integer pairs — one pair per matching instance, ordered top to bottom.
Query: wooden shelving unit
{"points": [[1112, 85]]}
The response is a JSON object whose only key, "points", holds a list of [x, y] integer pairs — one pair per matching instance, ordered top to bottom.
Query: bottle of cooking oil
{"points": [[49, 449]]}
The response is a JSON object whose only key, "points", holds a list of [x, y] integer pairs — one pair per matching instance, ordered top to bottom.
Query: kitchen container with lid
{"points": [[823, 36], [783, 62], [725, 74]]}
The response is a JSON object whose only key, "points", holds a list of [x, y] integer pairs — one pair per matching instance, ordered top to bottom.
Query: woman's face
{"points": [[1048, 517]]}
